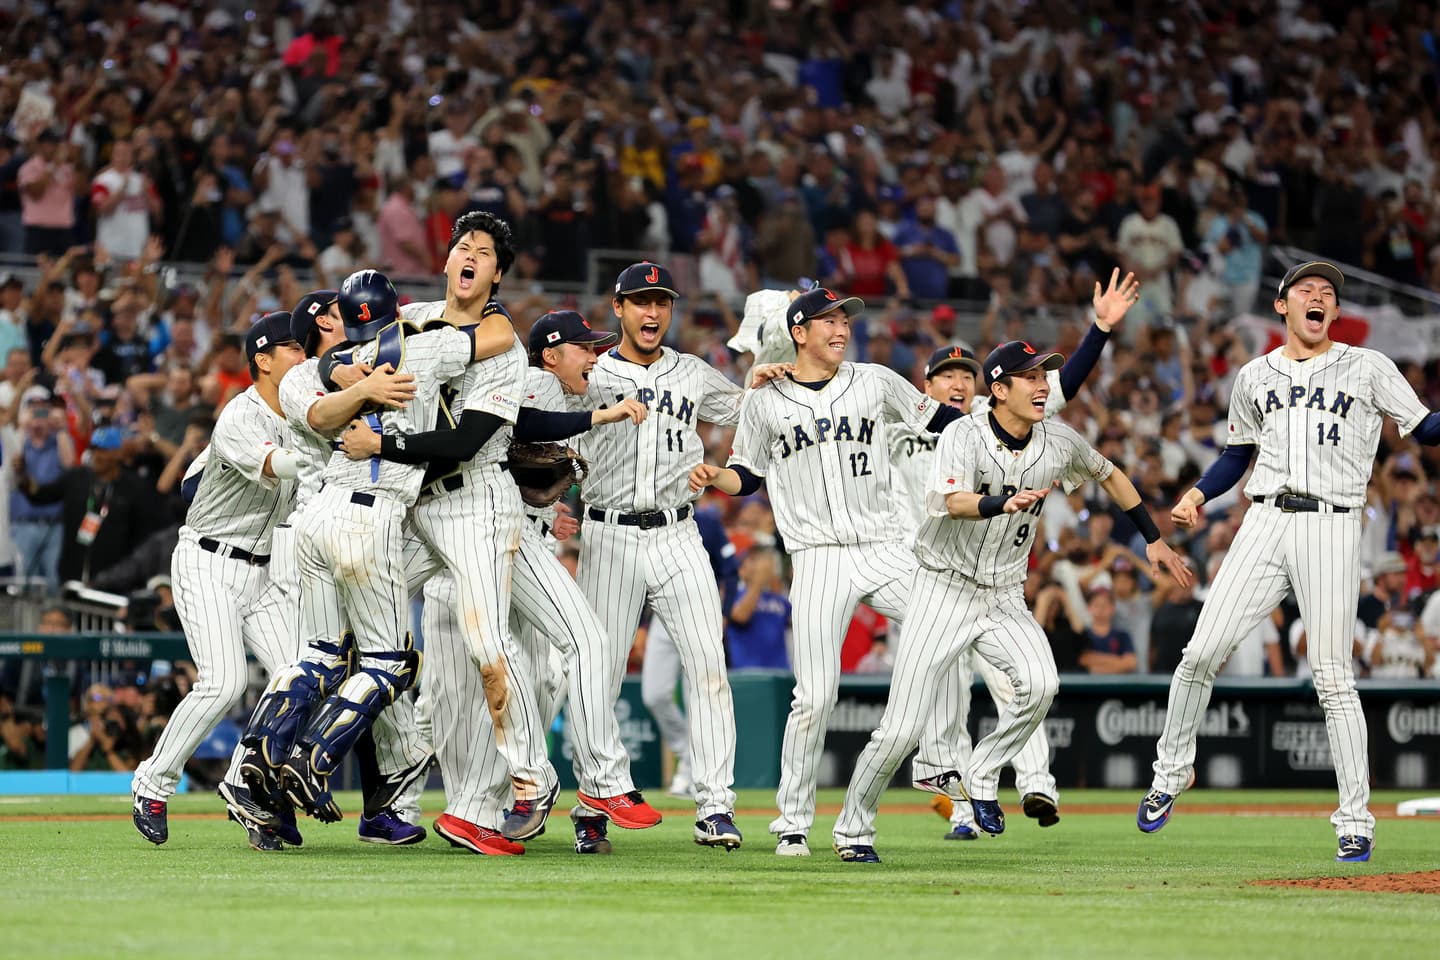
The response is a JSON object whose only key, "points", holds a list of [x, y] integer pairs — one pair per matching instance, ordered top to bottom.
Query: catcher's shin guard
{"points": [[286, 706], [349, 711]]}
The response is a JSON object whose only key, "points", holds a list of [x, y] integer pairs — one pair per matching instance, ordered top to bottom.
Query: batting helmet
{"points": [[368, 304]]}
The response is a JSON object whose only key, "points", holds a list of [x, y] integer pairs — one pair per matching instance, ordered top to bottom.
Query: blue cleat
{"points": [[1154, 811], [988, 816], [151, 820], [286, 828], [591, 828], [390, 830], [718, 830], [962, 832], [1354, 849], [858, 853]]}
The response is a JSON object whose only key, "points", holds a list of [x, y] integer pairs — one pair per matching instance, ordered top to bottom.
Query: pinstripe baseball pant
{"points": [[475, 532], [1318, 556], [621, 567], [829, 582], [225, 605], [952, 613]]}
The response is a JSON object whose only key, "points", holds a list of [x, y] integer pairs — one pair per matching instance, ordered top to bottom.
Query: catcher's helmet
{"points": [[368, 304]]}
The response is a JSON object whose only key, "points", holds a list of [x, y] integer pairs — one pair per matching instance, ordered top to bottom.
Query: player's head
{"points": [[481, 251], [645, 297], [1309, 300], [368, 304], [316, 315], [820, 324], [563, 342], [270, 347], [1015, 375], [950, 376]]}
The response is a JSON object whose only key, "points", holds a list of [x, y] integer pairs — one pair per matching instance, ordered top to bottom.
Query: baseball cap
{"points": [[1312, 268], [644, 276], [819, 301], [302, 318], [566, 326], [268, 331], [1017, 356], [948, 357], [36, 394], [107, 438], [1389, 562]]}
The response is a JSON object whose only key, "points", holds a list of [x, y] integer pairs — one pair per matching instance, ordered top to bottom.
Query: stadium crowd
{"points": [[923, 156]]}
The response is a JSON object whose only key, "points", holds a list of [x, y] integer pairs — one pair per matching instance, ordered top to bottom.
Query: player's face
{"points": [[471, 269], [1309, 307], [644, 318], [827, 336], [283, 356], [572, 363], [955, 386], [1026, 395]]}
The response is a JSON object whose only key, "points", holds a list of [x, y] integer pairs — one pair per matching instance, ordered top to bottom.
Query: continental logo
{"points": [[1115, 721], [1404, 721]]}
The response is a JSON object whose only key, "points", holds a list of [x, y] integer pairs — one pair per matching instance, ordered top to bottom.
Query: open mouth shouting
{"points": [[467, 278], [1315, 319], [650, 334]]}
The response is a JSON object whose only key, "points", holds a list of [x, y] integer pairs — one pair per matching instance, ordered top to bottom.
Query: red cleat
{"points": [[628, 810], [475, 838]]}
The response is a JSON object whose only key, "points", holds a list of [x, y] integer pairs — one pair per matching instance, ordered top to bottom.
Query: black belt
{"points": [[456, 481], [1294, 503], [645, 521], [235, 553]]}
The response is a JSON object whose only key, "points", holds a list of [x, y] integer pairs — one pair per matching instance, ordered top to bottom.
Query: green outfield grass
{"points": [[1090, 886]]}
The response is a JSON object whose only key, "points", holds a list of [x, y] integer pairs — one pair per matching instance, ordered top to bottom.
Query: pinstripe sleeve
{"points": [[443, 353], [499, 386], [299, 390], [543, 391], [1393, 394], [720, 399], [903, 403], [1244, 418], [241, 441], [751, 447], [1084, 464], [954, 469]]}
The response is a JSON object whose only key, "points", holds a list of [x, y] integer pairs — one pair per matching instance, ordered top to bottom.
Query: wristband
{"points": [[991, 507], [1141, 518]]}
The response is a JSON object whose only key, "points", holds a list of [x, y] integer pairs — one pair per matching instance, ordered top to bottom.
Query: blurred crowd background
{"points": [[168, 171]]}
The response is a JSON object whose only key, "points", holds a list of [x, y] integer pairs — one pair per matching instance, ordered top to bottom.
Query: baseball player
{"points": [[950, 377], [1309, 414], [818, 438], [992, 471], [640, 541], [351, 562], [220, 572], [548, 605], [392, 761]]}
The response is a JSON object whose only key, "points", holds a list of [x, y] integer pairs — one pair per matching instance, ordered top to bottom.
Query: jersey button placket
{"points": [[1299, 427]]}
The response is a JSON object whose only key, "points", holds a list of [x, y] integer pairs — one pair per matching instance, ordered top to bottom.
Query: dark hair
{"points": [[483, 221]]}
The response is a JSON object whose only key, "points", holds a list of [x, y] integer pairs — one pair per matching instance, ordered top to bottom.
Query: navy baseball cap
{"points": [[1312, 268], [644, 276], [820, 301], [302, 318], [566, 326], [268, 331], [1017, 356], [947, 357]]}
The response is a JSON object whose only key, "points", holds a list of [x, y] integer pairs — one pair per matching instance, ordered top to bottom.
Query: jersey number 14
{"points": [[1332, 434]]}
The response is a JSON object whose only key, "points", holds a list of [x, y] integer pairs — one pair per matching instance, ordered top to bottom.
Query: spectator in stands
{"points": [[47, 196], [125, 201], [1237, 236], [785, 246], [1149, 246], [404, 251], [927, 252], [873, 261], [46, 455], [106, 508], [1133, 608], [1177, 611], [759, 619], [1106, 649], [22, 737], [111, 737]]}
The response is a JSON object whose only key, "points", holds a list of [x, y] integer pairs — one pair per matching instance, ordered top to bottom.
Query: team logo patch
{"points": [[653, 276], [830, 295], [365, 314], [799, 316], [552, 336], [1028, 349], [399, 441], [950, 481]]}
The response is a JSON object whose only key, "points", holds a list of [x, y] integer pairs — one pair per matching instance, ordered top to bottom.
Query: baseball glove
{"points": [[544, 471]]}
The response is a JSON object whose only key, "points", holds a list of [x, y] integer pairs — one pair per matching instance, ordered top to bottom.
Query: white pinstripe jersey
{"points": [[433, 357], [493, 385], [543, 391], [298, 392], [1317, 422], [824, 452], [912, 457], [970, 458], [647, 467], [236, 503]]}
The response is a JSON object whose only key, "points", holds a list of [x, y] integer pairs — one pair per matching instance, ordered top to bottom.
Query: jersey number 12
{"points": [[860, 464]]}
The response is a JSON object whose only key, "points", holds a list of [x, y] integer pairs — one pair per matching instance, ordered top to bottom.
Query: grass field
{"points": [[80, 882]]}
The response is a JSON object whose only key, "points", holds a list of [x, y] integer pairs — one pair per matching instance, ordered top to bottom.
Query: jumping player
{"points": [[1309, 413], [992, 471]]}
